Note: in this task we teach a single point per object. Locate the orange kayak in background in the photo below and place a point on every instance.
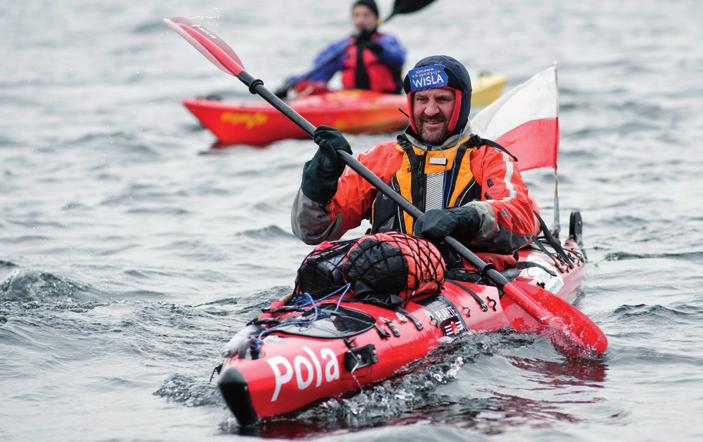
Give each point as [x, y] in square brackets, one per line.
[351, 111]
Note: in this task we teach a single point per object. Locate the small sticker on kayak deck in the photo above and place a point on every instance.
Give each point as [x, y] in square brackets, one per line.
[428, 77]
[452, 327]
[444, 316]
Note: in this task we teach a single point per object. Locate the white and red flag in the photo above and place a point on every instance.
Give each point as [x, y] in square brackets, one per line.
[525, 121]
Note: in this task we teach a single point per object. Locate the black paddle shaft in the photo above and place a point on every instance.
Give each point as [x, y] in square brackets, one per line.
[256, 86]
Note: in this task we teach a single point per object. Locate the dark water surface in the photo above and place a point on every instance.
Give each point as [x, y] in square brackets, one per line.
[127, 258]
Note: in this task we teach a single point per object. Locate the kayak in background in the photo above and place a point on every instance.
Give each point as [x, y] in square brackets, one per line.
[351, 111]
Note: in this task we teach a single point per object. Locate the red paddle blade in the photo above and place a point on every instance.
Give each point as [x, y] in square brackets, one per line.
[571, 332]
[208, 44]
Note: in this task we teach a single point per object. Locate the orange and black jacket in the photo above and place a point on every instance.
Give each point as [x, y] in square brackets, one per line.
[463, 171]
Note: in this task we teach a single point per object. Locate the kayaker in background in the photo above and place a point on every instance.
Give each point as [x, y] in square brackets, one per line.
[368, 59]
[469, 188]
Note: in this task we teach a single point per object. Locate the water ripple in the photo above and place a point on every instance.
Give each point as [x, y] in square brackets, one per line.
[33, 289]
[658, 312]
[7, 264]
[190, 392]
[694, 256]
[266, 233]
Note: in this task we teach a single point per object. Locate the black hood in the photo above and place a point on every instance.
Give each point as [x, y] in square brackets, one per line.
[458, 79]
[371, 4]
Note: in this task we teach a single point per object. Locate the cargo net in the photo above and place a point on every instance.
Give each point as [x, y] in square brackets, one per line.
[384, 268]
[393, 268]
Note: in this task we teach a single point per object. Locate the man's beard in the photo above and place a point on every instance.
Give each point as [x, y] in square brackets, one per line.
[434, 137]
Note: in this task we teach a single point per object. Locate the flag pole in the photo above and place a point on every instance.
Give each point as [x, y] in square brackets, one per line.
[556, 228]
[557, 224]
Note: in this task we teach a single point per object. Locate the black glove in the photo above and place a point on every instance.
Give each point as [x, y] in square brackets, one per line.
[435, 224]
[364, 36]
[320, 175]
[282, 92]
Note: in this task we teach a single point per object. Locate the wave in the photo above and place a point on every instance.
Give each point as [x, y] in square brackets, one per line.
[178, 334]
[190, 392]
[266, 233]
[624, 256]
[149, 27]
[657, 311]
[161, 210]
[126, 141]
[7, 264]
[7, 141]
[34, 289]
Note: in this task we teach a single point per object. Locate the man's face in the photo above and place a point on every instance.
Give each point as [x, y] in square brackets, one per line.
[432, 110]
[363, 18]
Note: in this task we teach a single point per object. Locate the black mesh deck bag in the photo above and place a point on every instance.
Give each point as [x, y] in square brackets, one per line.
[320, 273]
[393, 268]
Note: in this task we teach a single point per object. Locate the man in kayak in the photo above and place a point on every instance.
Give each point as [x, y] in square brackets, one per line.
[469, 188]
[368, 59]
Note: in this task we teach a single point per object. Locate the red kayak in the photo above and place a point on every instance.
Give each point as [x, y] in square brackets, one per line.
[351, 111]
[339, 345]
[398, 300]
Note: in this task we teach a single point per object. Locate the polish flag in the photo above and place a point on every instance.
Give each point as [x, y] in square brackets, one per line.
[525, 121]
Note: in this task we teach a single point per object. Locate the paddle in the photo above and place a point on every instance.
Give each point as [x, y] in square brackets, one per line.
[572, 332]
[405, 7]
[399, 7]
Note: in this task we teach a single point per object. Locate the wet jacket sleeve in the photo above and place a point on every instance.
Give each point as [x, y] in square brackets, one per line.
[393, 54]
[506, 208]
[314, 222]
[327, 70]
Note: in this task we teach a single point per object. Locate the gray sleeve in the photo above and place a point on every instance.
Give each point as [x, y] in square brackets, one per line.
[311, 223]
[491, 237]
